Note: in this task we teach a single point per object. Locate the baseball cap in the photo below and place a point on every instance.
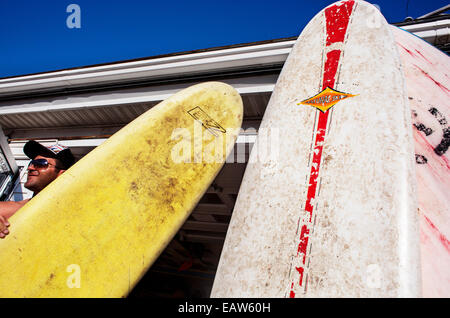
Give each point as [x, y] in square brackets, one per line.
[62, 153]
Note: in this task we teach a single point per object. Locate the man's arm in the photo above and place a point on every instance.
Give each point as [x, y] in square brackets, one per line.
[7, 209]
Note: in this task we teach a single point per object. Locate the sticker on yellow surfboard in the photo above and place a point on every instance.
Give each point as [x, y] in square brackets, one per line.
[210, 124]
[325, 99]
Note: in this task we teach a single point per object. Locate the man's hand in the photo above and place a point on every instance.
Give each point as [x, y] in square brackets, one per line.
[4, 224]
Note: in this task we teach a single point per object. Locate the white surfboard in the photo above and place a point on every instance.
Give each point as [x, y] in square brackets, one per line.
[427, 74]
[327, 205]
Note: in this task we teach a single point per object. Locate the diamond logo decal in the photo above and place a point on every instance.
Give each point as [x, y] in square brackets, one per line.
[326, 99]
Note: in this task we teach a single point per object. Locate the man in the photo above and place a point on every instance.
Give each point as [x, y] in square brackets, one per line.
[46, 165]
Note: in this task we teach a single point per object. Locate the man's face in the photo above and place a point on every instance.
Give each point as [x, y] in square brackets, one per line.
[39, 178]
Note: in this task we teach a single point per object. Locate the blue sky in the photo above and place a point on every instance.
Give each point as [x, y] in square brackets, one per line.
[35, 38]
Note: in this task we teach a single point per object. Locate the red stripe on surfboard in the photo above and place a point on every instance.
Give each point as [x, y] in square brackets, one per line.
[445, 242]
[331, 65]
[337, 20]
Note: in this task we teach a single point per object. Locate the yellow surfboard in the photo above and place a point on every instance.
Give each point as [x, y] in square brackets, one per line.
[95, 230]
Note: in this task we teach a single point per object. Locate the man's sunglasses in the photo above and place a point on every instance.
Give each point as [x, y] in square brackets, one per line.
[42, 164]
